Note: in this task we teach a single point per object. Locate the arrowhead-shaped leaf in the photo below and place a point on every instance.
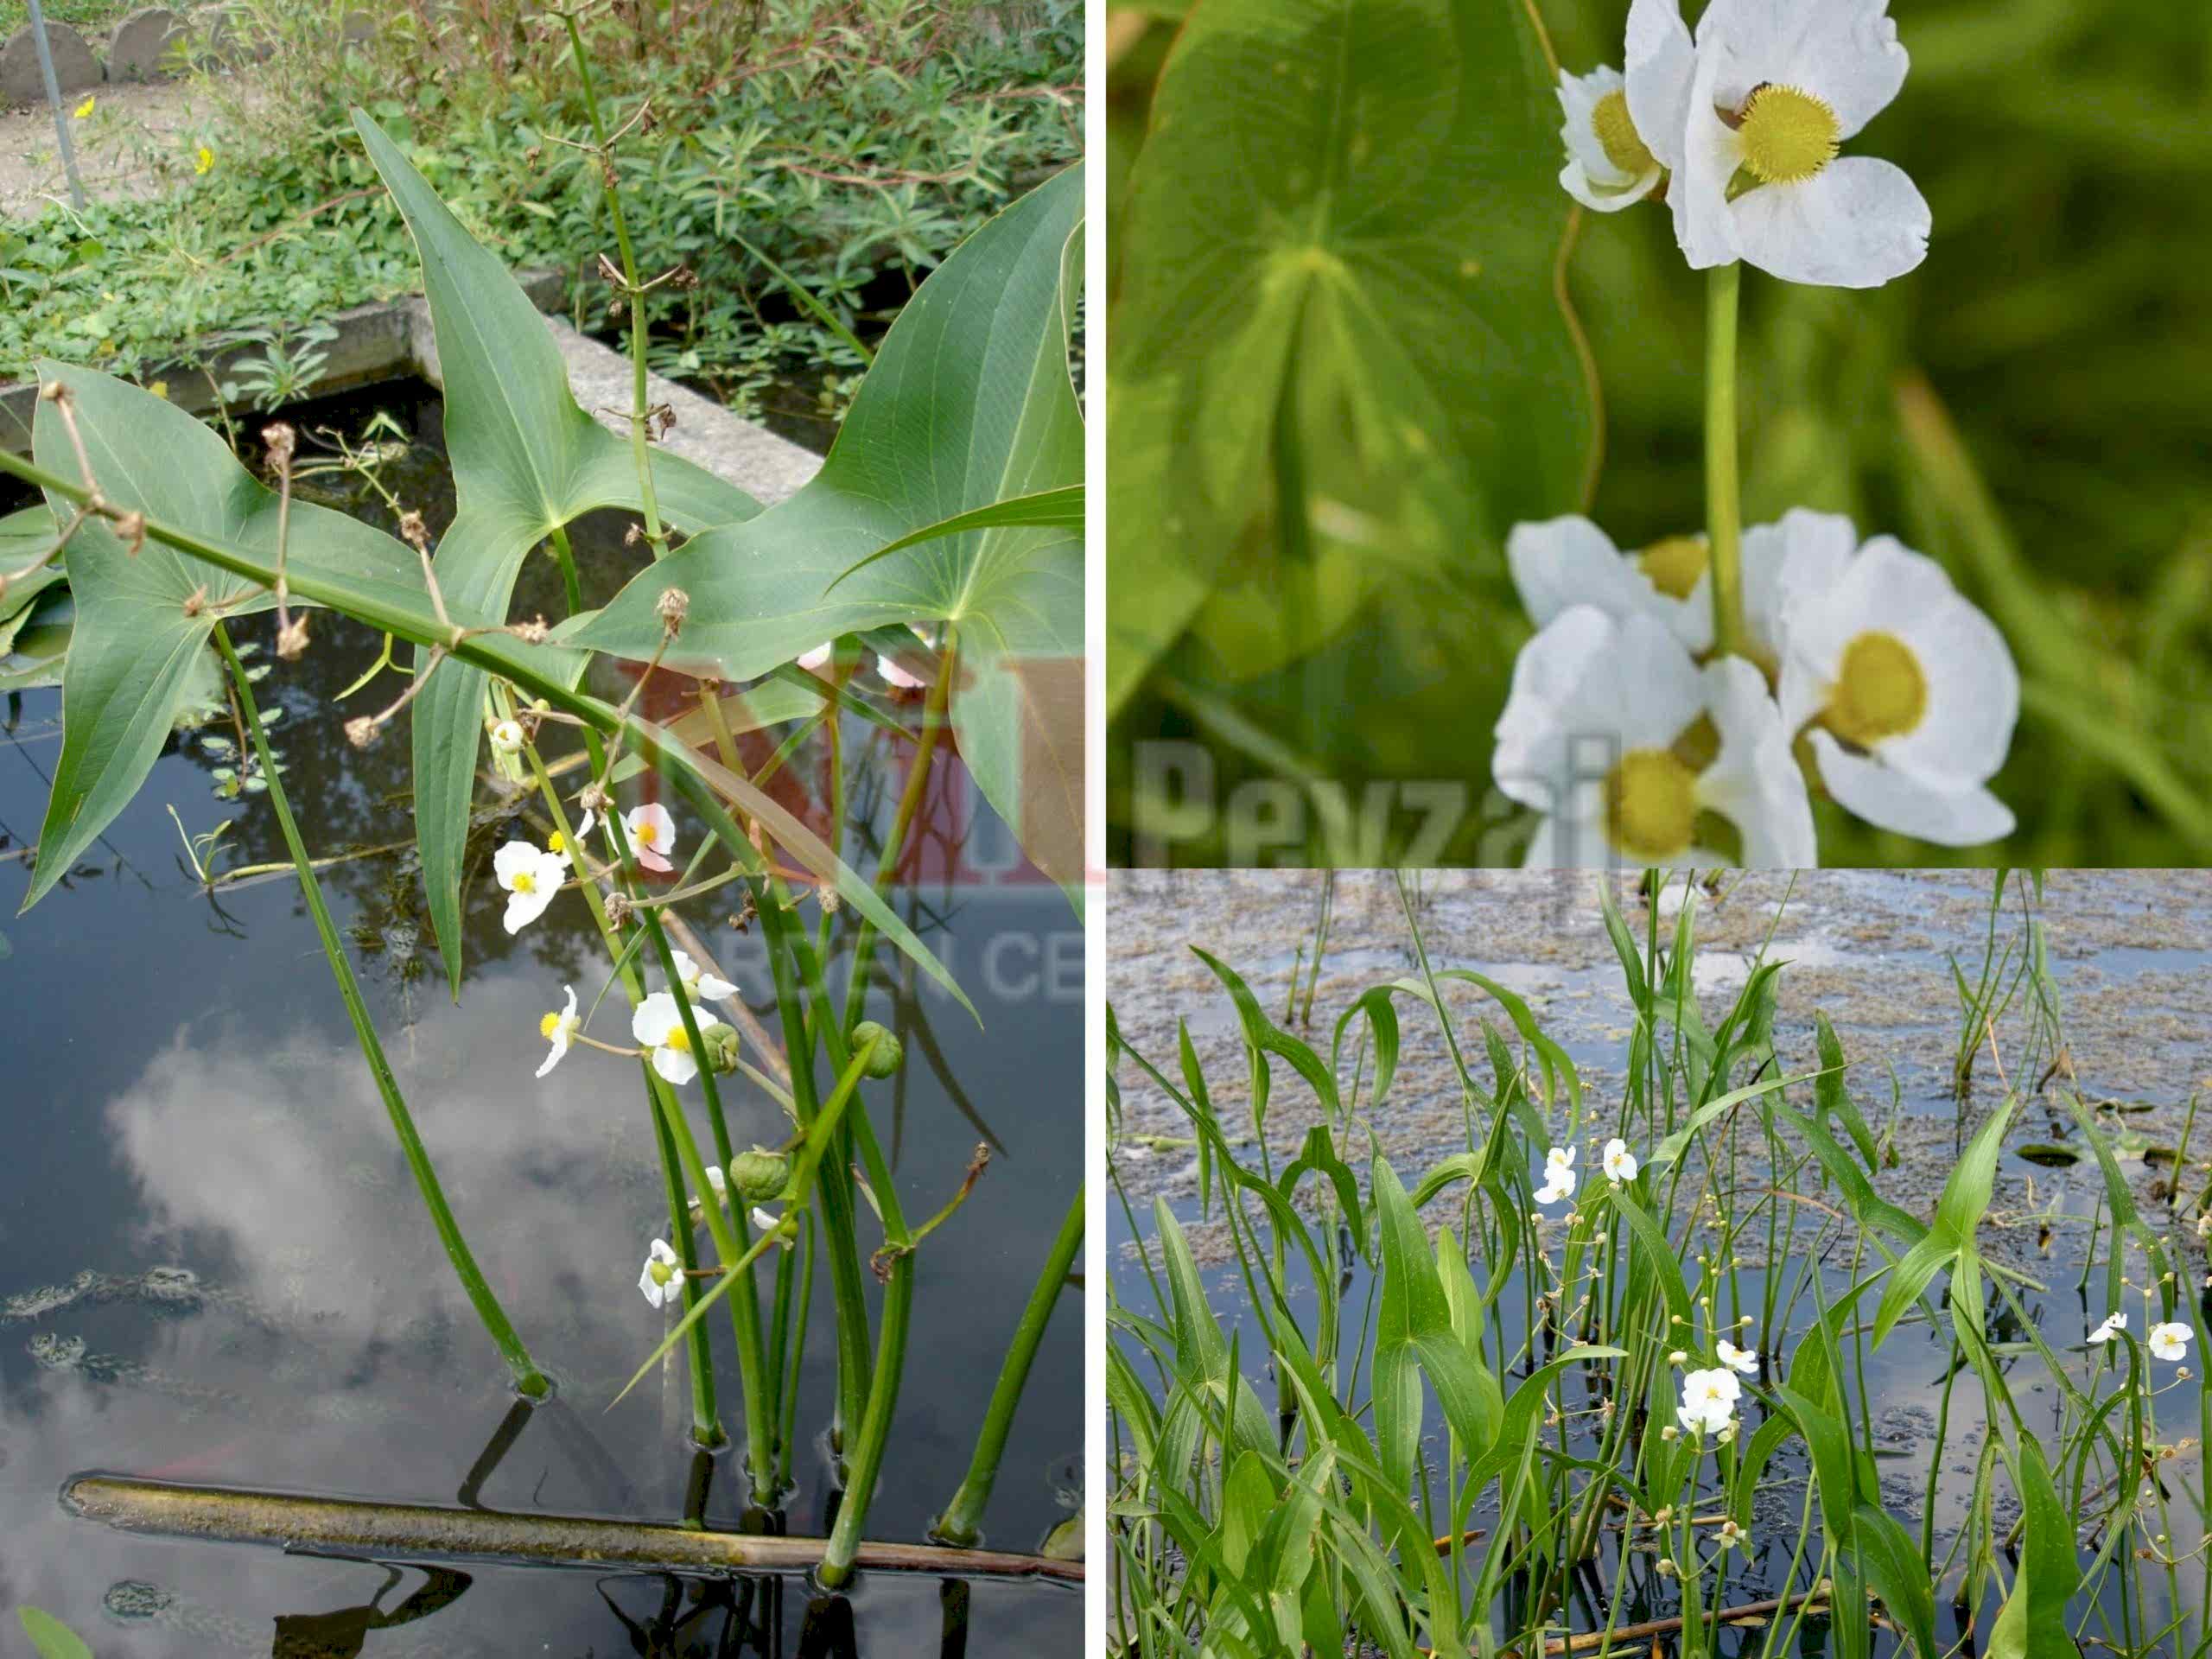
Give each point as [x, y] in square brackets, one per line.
[1337, 270]
[526, 460]
[139, 654]
[969, 405]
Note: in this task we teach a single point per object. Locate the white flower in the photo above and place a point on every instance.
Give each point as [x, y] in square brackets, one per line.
[2169, 1341]
[653, 834]
[506, 737]
[1608, 166]
[1709, 1400]
[663, 1278]
[560, 1030]
[812, 660]
[1562, 562]
[657, 1024]
[1560, 1157]
[1776, 87]
[895, 676]
[1733, 1536]
[1635, 754]
[782, 1229]
[532, 876]
[1559, 1183]
[1737, 1359]
[696, 983]
[1911, 692]
[2111, 1328]
[1620, 1163]
[2204, 1225]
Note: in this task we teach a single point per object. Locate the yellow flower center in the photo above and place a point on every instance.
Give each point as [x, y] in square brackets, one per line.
[556, 842]
[1650, 804]
[678, 1040]
[647, 832]
[1788, 136]
[1673, 566]
[1625, 146]
[548, 1025]
[526, 882]
[1881, 691]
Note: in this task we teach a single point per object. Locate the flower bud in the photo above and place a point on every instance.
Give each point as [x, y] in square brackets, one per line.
[890, 1054]
[759, 1175]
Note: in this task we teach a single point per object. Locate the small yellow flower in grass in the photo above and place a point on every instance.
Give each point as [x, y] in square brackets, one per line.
[506, 737]
[663, 1277]
[653, 834]
[560, 1030]
[2169, 1341]
[85, 108]
[532, 876]
[204, 162]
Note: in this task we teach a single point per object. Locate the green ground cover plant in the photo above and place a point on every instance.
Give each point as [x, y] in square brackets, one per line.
[836, 150]
[1548, 1393]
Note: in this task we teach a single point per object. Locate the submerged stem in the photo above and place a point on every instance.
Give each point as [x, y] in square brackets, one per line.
[528, 1379]
[1724, 506]
[961, 1523]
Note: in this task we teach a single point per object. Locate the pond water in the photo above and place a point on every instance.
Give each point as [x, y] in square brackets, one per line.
[215, 1268]
[2129, 956]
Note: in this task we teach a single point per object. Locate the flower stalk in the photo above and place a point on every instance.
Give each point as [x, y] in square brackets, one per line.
[1724, 501]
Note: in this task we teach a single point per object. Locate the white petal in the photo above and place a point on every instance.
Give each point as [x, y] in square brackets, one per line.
[895, 675]
[652, 831]
[512, 859]
[1843, 52]
[713, 986]
[686, 969]
[1562, 562]
[1895, 800]
[811, 660]
[1584, 688]
[675, 1064]
[524, 908]
[1662, 63]
[1603, 199]
[654, 1018]
[557, 1053]
[1806, 551]
[1754, 781]
[1712, 153]
[1858, 223]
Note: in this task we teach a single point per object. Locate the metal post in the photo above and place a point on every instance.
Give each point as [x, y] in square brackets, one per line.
[54, 101]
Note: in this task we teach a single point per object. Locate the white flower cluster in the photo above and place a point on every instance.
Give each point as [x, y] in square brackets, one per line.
[2169, 1342]
[1742, 127]
[1867, 673]
[531, 875]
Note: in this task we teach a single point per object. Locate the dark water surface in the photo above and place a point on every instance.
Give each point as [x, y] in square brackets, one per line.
[2129, 954]
[215, 1267]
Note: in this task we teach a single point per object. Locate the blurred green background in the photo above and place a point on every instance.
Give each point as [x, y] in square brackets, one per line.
[2032, 407]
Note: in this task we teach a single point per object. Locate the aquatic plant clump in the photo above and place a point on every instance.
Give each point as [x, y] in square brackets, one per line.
[1624, 1371]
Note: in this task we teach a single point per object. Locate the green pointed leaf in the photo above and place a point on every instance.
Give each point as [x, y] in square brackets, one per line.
[1337, 270]
[53, 1639]
[526, 460]
[968, 406]
[137, 655]
[2033, 1620]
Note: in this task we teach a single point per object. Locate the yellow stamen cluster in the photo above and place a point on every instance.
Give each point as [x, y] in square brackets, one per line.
[526, 882]
[1624, 146]
[1788, 136]
[679, 1040]
[1650, 804]
[1674, 565]
[1881, 691]
[548, 1025]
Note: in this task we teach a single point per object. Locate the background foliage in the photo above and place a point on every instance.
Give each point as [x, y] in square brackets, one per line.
[852, 145]
[2029, 408]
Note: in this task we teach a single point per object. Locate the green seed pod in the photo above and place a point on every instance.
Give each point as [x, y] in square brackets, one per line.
[721, 1046]
[890, 1053]
[759, 1175]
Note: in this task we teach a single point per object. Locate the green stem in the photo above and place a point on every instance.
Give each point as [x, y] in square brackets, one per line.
[528, 1379]
[961, 1523]
[1724, 504]
[867, 1462]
